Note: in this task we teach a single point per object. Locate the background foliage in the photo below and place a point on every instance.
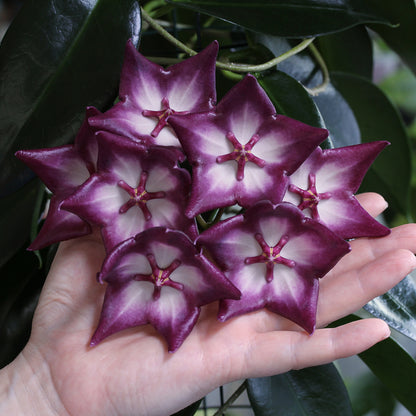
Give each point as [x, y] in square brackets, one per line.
[357, 79]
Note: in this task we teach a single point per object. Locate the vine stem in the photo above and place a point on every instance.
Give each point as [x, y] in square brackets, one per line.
[240, 390]
[325, 73]
[234, 67]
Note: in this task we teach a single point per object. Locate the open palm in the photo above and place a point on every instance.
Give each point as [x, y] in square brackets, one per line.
[131, 372]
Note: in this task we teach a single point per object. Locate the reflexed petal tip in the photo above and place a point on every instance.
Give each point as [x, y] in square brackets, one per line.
[158, 277]
[59, 226]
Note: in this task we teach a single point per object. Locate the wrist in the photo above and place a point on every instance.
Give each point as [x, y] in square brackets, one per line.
[26, 388]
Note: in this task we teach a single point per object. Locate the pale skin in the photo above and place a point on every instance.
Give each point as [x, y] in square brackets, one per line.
[131, 373]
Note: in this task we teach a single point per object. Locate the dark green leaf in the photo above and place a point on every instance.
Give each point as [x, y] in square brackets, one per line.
[15, 275]
[58, 57]
[15, 219]
[294, 18]
[336, 113]
[311, 391]
[190, 410]
[397, 307]
[378, 119]
[395, 368]
[338, 117]
[16, 326]
[368, 394]
[402, 37]
[290, 98]
[348, 51]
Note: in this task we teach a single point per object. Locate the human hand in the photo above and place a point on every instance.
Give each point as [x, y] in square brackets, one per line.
[131, 372]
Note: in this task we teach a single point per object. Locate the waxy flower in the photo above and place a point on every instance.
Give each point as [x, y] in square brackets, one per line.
[134, 188]
[242, 152]
[324, 187]
[158, 278]
[275, 256]
[63, 169]
[150, 94]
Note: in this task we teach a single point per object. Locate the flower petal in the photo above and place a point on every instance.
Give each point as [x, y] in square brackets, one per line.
[61, 168]
[59, 226]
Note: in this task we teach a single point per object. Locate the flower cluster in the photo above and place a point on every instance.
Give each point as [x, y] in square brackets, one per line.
[165, 154]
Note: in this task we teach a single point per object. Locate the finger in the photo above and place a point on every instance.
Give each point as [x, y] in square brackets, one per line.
[373, 203]
[351, 290]
[364, 250]
[278, 352]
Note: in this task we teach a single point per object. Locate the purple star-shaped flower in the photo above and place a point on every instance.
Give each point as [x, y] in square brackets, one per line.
[324, 187]
[158, 278]
[150, 94]
[242, 152]
[63, 169]
[134, 188]
[274, 255]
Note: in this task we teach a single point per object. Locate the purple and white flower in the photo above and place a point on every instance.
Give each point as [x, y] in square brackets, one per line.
[324, 187]
[149, 94]
[158, 278]
[275, 256]
[242, 152]
[134, 188]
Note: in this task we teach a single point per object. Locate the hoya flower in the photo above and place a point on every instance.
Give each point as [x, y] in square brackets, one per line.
[63, 169]
[158, 277]
[275, 256]
[324, 187]
[134, 188]
[242, 152]
[150, 94]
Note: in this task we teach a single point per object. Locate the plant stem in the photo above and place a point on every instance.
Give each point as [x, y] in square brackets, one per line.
[202, 222]
[164, 33]
[234, 67]
[240, 390]
[325, 73]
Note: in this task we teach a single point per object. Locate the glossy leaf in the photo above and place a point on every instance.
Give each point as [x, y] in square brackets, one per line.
[395, 368]
[17, 323]
[378, 119]
[334, 110]
[290, 18]
[312, 391]
[56, 58]
[290, 98]
[16, 218]
[397, 307]
[15, 275]
[368, 393]
[402, 36]
[189, 410]
[348, 51]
